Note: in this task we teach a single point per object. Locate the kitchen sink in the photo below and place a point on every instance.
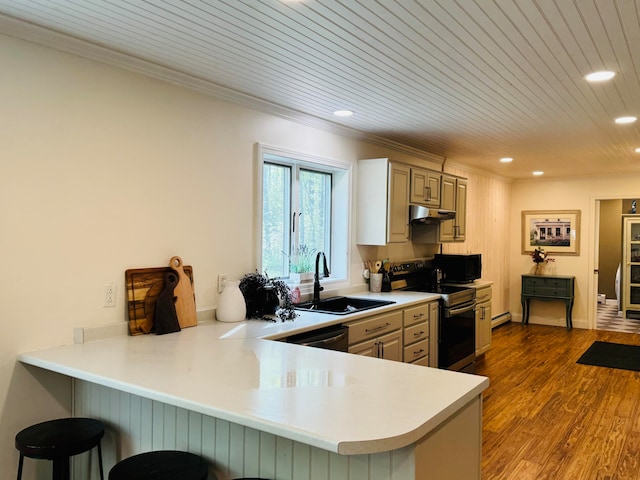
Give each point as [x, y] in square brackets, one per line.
[342, 305]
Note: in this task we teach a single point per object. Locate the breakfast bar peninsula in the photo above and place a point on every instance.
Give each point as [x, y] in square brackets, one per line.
[257, 407]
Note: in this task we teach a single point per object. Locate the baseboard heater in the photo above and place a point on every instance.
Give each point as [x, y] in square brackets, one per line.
[500, 319]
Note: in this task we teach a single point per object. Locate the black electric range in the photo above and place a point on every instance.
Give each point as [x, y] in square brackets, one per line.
[456, 322]
[417, 275]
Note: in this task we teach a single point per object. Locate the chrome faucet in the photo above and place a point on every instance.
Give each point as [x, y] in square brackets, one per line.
[316, 279]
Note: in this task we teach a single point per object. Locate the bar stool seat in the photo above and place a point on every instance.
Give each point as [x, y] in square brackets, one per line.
[161, 465]
[58, 440]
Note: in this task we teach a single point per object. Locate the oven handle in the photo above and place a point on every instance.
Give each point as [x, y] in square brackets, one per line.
[457, 311]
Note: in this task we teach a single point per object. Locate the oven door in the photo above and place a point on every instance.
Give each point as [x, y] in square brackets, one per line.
[457, 338]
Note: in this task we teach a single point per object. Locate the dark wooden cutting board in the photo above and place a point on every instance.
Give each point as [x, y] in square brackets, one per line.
[144, 285]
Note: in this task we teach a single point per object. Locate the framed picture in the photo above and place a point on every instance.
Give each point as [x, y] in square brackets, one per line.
[556, 231]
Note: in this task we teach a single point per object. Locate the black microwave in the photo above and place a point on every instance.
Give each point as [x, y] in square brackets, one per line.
[459, 268]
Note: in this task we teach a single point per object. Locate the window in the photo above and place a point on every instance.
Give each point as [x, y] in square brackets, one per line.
[304, 210]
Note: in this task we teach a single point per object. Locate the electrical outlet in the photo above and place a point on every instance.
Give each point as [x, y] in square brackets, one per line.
[222, 280]
[109, 295]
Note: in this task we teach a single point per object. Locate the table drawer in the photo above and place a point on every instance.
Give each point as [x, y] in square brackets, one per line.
[416, 333]
[548, 292]
[415, 351]
[552, 287]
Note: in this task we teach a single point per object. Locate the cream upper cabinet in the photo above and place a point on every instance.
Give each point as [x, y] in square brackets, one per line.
[453, 194]
[425, 187]
[383, 202]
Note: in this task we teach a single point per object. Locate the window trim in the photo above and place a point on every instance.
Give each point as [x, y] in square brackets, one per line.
[343, 189]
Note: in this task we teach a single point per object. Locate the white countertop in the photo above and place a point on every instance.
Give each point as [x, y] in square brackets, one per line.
[336, 401]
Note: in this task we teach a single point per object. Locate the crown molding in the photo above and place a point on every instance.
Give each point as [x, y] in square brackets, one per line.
[37, 34]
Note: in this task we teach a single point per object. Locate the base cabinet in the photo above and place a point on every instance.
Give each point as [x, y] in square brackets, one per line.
[379, 336]
[483, 319]
[408, 335]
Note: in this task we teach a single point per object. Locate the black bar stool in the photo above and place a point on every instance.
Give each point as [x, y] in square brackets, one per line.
[161, 465]
[58, 440]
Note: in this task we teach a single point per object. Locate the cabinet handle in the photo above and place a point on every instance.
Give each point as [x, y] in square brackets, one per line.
[415, 354]
[376, 329]
[418, 334]
[419, 315]
[428, 194]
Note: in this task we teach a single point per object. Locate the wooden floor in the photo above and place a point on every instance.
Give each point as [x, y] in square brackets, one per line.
[547, 417]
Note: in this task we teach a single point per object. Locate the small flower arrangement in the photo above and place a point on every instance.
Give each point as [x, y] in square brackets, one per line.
[540, 258]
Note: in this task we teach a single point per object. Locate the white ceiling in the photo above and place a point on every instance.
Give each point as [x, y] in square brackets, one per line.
[470, 80]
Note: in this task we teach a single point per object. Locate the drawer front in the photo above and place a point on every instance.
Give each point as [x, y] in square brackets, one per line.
[483, 294]
[529, 283]
[415, 333]
[415, 351]
[423, 361]
[374, 327]
[416, 314]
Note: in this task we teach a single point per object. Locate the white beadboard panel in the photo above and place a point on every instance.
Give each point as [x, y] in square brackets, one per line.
[470, 80]
[136, 425]
[488, 207]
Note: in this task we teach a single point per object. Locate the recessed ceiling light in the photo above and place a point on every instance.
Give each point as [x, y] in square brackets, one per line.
[537, 173]
[637, 150]
[600, 76]
[506, 160]
[343, 113]
[623, 120]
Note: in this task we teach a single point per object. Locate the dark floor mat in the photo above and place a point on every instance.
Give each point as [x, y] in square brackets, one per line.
[612, 355]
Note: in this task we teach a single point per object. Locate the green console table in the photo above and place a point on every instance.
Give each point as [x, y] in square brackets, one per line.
[547, 288]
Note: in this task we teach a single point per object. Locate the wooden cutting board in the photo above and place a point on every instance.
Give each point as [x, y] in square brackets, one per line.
[185, 299]
[144, 285]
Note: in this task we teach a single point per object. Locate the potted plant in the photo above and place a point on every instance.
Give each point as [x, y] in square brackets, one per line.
[265, 297]
[301, 264]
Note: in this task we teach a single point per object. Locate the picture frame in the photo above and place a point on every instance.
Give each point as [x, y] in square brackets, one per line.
[556, 231]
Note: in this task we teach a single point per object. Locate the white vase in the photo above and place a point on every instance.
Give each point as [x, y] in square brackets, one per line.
[231, 306]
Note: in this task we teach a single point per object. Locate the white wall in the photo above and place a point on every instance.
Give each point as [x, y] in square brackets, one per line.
[578, 193]
[103, 170]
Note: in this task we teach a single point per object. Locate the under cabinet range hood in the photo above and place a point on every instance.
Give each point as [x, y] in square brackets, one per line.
[421, 214]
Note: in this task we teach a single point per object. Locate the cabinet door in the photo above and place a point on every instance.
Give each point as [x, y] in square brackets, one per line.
[454, 196]
[483, 327]
[387, 346]
[425, 187]
[447, 202]
[460, 227]
[390, 346]
[434, 320]
[366, 349]
[398, 204]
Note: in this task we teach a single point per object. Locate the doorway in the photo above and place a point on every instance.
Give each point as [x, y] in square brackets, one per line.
[609, 261]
